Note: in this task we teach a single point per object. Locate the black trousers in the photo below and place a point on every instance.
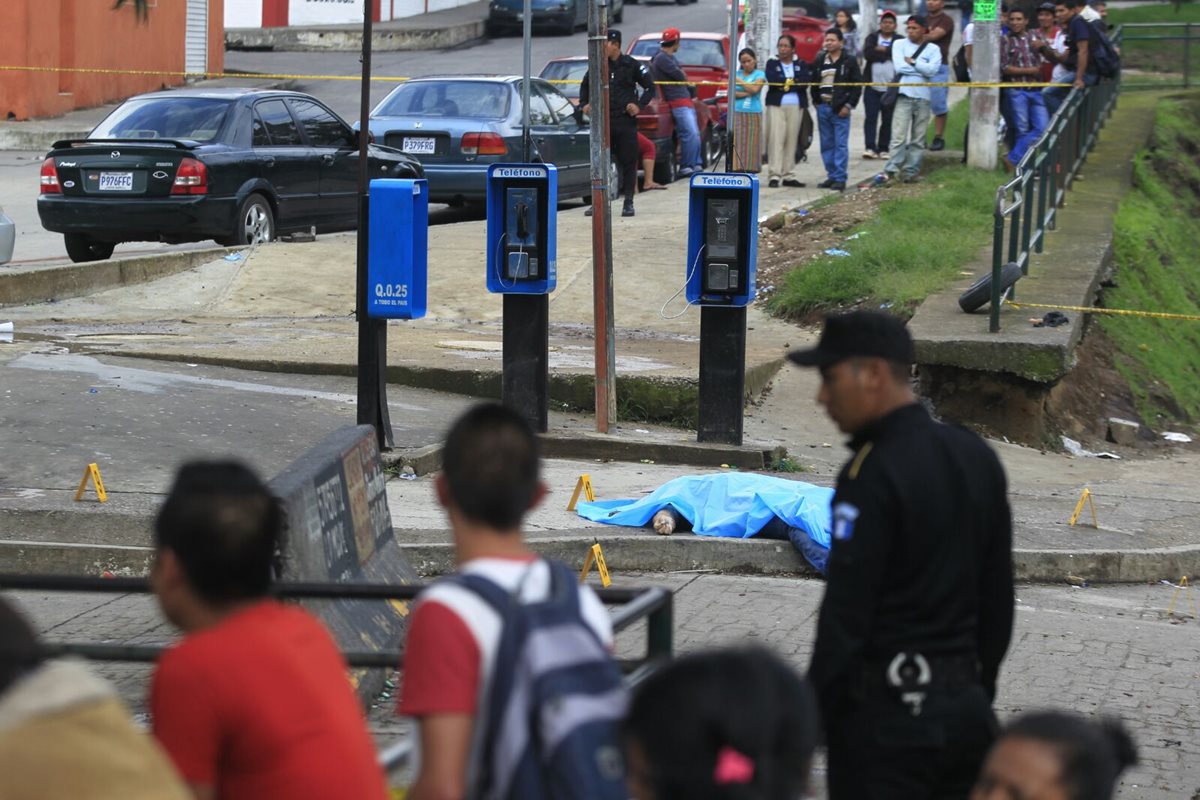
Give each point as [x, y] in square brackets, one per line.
[622, 132]
[877, 125]
[879, 751]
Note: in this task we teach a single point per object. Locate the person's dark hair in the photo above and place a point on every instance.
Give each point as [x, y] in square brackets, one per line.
[1094, 753]
[851, 25]
[490, 463]
[1066, 3]
[735, 724]
[224, 525]
[746, 51]
[836, 31]
[1018, 10]
[20, 651]
[791, 39]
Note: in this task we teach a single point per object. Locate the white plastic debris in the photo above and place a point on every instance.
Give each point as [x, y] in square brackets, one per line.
[1076, 449]
[1177, 437]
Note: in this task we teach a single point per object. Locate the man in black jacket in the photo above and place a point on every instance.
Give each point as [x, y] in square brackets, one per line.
[625, 75]
[918, 608]
[834, 94]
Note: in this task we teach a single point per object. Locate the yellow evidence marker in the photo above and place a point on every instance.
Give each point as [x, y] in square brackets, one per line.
[1086, 497]
[1187, 591]
[584, 484]
[92, 473]
[595, 554]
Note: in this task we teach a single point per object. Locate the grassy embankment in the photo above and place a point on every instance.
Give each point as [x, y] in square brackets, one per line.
[1157, 228]
[1150, 63]
[914, 246]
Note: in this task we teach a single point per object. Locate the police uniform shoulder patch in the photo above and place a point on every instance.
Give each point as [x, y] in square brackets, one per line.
[844, 517]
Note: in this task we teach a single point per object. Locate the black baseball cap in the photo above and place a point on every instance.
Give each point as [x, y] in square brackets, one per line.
[614, 35]
[858, 334]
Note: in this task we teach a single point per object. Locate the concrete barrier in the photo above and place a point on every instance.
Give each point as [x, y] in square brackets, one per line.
[339, 528]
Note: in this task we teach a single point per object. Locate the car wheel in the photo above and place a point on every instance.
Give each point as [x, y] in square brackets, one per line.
[667, 171]
[614, 180]
[254, 224]
[82, 248]
[979, 294]
[710, 147]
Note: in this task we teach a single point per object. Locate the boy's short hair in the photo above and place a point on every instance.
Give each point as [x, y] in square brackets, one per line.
[836, 31]
[490, 464]
[224, 526]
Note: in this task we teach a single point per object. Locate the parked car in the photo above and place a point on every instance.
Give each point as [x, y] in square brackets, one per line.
[235, 165]
[8, 237]
[458, 125]
[655, 122]
[559, 16]
[806, 20]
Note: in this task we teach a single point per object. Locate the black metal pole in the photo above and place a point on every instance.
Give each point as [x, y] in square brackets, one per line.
[372, 334]
[526, 361]
[722, 374]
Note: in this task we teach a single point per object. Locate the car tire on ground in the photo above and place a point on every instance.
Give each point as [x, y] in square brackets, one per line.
[710, 147]
[979, 294]
[82, 248]
[254, 223]
[667, 171]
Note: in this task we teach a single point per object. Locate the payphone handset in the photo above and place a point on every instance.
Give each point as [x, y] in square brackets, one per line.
[521, 204]
[522, 255]
[724, 272]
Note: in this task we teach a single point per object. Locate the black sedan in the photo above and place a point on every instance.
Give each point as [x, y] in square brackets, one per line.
[235, 165]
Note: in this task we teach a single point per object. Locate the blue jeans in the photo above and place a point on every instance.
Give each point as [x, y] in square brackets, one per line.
[1027, 112]
[939, 96]
[1055, 95]
[689, 137]
[835, 142]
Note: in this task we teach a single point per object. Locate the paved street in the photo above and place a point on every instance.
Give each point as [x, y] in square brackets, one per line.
[1096, 650]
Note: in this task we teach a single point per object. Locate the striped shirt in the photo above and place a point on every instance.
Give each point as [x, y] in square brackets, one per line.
[1016, 50]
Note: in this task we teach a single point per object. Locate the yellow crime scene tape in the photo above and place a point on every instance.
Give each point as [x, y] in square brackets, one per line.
[1121, 312]
[401, 79]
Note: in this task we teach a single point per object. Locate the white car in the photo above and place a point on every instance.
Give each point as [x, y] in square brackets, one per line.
[8, 235]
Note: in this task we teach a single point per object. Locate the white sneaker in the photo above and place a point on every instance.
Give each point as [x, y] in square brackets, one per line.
[870, 154]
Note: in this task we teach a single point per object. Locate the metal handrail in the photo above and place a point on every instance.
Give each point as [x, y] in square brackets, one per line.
[1041, 180]
[654, 604]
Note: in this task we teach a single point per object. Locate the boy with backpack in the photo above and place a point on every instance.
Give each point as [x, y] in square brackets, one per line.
[508, 668]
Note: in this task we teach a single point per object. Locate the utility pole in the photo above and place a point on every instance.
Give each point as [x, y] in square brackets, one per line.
[603, 322]
[372, 333]
[982, 143]
[758, 28]
[868, 16]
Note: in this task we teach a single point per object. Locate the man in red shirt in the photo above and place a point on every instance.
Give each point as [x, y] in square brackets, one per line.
[255, 703]
[489, 481]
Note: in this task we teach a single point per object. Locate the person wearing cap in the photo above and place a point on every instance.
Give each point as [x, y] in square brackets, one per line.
[625, 102]
[918, 607]
[916, 62]
[834, 96]
[679, 94]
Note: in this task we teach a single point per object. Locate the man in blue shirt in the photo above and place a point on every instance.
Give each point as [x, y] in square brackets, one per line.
[1077, 58]
[916, 62]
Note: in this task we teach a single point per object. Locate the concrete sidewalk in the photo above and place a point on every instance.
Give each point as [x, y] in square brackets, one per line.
[434, 30]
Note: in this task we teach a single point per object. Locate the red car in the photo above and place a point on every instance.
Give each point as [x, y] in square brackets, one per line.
[655, 122]
[703, 57]
[803, 19]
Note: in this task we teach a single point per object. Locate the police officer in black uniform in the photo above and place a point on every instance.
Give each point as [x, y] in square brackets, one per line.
[918, 610]
[625, 75]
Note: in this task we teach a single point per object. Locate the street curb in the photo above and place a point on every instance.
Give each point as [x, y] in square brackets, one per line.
[645, 552]
[79, 280]
[14, 137]
[346, 40]
[672, 401]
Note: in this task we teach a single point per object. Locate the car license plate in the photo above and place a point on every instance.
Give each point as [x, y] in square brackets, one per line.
[418, 144]
[116, 181]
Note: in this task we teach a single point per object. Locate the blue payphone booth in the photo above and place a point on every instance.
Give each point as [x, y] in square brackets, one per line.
[398, 248]
[522, 206]
[722, 254]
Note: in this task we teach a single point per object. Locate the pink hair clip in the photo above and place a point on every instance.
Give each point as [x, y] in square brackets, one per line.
[732, 767]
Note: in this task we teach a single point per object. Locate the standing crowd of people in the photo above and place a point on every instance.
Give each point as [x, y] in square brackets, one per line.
[509, 671]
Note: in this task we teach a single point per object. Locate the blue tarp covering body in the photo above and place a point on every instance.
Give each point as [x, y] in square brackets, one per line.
[732, 504]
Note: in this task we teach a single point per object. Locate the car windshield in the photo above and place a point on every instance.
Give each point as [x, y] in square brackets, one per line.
[452, 98]
[692, 52]
[197, 118]
[565, 71]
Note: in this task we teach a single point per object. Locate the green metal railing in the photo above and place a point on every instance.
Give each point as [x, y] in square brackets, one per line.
[1167, 63]
[1027, 206]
